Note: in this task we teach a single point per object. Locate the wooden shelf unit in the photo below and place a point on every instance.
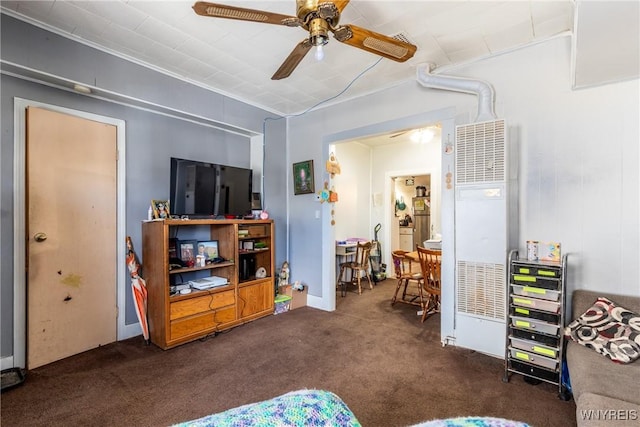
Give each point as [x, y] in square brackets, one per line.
[177, 319]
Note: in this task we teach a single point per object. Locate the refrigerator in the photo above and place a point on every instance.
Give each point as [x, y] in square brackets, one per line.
[421, 208]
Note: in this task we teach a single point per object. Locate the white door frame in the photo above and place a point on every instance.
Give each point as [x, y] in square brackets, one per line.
[19, 224]
[445, 116]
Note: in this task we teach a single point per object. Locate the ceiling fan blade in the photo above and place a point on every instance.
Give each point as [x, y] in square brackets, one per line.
[292, 60]
[217, 10]
[395, 135]
[373, 42]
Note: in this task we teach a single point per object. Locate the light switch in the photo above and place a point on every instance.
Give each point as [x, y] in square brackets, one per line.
[317, 214]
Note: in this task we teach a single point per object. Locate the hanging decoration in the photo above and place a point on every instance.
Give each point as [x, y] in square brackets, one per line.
[333, 167]
[329, 196]
[333, 196]
[323, 195]
[448, 178]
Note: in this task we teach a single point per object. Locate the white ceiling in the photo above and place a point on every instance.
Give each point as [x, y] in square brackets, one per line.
[238, 58]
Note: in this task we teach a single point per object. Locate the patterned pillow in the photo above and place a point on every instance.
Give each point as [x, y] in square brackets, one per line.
[609, 329]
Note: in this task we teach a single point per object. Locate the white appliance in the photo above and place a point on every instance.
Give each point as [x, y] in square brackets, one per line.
[485, 229]
[406, 239]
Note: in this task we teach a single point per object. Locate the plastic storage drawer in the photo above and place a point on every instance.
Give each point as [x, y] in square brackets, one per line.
[538, 282]
[535, 359]
[535, 303]
[534, 325]
[535, 292]
[534, 347]
[535, 270]
[533, 371]
[534, 314]
[534, 336]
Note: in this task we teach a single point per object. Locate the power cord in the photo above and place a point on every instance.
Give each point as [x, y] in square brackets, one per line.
[264, 122]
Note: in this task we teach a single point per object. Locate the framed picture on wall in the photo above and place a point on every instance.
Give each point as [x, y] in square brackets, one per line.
[303, 177]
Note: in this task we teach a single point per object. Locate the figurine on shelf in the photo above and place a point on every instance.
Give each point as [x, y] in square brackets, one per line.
[283, 278]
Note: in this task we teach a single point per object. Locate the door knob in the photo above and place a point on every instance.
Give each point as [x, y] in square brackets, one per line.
[40, 237]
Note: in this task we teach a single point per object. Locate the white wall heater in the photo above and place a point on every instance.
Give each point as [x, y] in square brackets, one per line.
[485, 229]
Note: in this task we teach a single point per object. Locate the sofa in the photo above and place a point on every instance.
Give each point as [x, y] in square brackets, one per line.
[606, 393]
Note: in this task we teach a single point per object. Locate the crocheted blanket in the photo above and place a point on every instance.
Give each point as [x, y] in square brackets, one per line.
[297, 408]
[472, 422]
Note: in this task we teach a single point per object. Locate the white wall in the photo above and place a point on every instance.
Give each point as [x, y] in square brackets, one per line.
[353, 184]
[578, 179]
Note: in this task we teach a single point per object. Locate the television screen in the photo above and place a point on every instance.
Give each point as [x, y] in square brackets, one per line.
[208, 190]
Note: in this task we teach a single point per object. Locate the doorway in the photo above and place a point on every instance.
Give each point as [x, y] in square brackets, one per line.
[367, 191]
[21, 227]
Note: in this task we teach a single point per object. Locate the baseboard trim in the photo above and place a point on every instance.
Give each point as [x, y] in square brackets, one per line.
[318, 302]
[6, 362]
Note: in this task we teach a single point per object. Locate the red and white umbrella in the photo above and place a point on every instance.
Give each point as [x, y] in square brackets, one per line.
[138, 289]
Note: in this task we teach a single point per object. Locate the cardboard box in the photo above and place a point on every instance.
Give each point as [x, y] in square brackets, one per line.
[298, 298]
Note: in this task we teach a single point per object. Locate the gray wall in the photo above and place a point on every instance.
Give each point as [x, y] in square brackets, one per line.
[151, 138]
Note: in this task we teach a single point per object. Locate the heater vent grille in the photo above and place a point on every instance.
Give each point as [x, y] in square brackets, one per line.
[480, 152]
[481, 289]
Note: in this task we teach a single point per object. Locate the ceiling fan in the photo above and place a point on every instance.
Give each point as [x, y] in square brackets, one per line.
[421, 134]
[318, 18]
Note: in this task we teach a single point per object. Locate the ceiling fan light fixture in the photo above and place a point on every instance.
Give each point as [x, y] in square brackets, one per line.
[319, 53]
[422, 136]
[319, 32]
[319, 36]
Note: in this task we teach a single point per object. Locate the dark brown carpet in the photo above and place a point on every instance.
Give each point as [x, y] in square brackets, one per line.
[389, 368]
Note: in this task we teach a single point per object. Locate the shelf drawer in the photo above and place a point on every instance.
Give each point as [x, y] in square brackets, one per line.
[534, 325]
[515, 310]
[536, 270]
[535, 359]
[197, 324]
[535, 281]
[534, 347]
[535, 292]
[537, 304]
[533, 336]
[201, 304]
[533, 371]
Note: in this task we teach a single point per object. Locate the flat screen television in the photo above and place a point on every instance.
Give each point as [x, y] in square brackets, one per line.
[201, 189]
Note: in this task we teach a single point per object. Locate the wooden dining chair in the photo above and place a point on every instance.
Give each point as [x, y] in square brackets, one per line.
[351, 272]
[430, 263]
[406, 277]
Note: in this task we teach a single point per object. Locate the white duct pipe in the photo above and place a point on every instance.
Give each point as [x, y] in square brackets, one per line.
[484, 90]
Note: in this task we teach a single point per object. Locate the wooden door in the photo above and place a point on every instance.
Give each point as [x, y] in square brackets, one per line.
[71, 235]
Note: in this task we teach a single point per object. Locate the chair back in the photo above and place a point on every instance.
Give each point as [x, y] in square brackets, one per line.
[362, 254]
[398, 262]
[401, 264]
[430, 263]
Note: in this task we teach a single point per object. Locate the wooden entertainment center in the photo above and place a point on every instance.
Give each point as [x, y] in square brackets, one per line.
[243, 245]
